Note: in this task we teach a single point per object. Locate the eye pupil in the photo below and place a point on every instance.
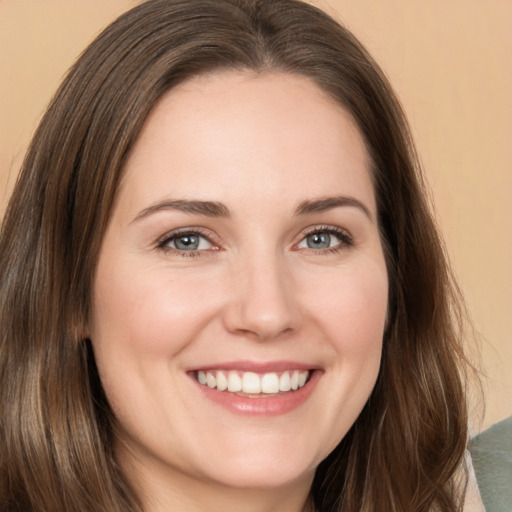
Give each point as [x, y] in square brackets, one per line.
[187, 242]
[319, 240]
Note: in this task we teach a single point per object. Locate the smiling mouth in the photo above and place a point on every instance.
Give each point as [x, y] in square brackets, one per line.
[252, 384]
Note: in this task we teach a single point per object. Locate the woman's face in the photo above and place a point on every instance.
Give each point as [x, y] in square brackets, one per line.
[243, 250]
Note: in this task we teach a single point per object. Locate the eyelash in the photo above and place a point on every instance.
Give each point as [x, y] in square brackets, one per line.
[346, 241]
[163, 242]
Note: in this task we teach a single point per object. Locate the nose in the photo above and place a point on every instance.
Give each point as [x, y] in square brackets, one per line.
[263, 304]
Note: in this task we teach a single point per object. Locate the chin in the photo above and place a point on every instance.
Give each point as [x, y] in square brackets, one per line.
[257, 468]
[265, 477]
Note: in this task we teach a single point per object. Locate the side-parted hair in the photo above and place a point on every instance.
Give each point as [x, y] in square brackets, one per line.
[405, 450]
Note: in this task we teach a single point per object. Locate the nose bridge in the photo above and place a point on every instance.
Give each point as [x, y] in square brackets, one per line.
[263, 304]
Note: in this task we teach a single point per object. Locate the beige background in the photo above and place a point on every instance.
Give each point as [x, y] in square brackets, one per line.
[450, 62]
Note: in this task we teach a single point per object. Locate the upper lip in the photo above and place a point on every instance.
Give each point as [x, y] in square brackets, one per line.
[256, 366]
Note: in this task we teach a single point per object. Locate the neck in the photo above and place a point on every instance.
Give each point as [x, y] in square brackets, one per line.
[161, 489]
[222, 499]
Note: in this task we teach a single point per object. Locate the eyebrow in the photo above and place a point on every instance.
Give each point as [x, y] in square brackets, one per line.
[328, 203]
[206, 208]
[218, 209]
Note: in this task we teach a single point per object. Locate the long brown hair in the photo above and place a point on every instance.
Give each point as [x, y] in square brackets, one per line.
[404, 451]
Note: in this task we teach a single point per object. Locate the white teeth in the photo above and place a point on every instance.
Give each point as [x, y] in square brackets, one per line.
[253, 383]
[211, 381]
[295, 380]
[270, 383]
[222, 381]
[285, 383]
[234, 382]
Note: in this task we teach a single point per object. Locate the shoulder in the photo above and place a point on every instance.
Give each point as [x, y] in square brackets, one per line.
[491, 452]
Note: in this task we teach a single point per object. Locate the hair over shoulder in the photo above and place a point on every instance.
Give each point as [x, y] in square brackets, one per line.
[405, 451]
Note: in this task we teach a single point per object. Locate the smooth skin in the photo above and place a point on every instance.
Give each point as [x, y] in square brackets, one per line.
[283, 263]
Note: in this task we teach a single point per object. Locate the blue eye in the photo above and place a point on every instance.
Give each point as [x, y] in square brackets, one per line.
[322, 239]
[186, 242]
[319, 241]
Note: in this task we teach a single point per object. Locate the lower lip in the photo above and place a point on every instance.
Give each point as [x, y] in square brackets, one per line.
[262, 405]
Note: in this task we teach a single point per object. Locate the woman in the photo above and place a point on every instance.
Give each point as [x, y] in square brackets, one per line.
[221, 284]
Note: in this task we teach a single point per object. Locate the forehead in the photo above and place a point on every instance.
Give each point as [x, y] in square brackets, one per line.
[215, 132]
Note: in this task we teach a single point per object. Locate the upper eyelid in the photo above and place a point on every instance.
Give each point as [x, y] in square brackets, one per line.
[324, 227]
[329, 228]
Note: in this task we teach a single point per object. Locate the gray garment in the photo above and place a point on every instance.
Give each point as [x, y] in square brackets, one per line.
[491, 452]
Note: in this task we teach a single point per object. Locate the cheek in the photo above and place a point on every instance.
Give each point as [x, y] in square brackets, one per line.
[356, 327]
[142, 320]
[352, 306]
[147, 311]
[350, 312]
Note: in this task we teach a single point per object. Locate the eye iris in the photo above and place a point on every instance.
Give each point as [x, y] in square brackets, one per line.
[187, 242]
[319, 240]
